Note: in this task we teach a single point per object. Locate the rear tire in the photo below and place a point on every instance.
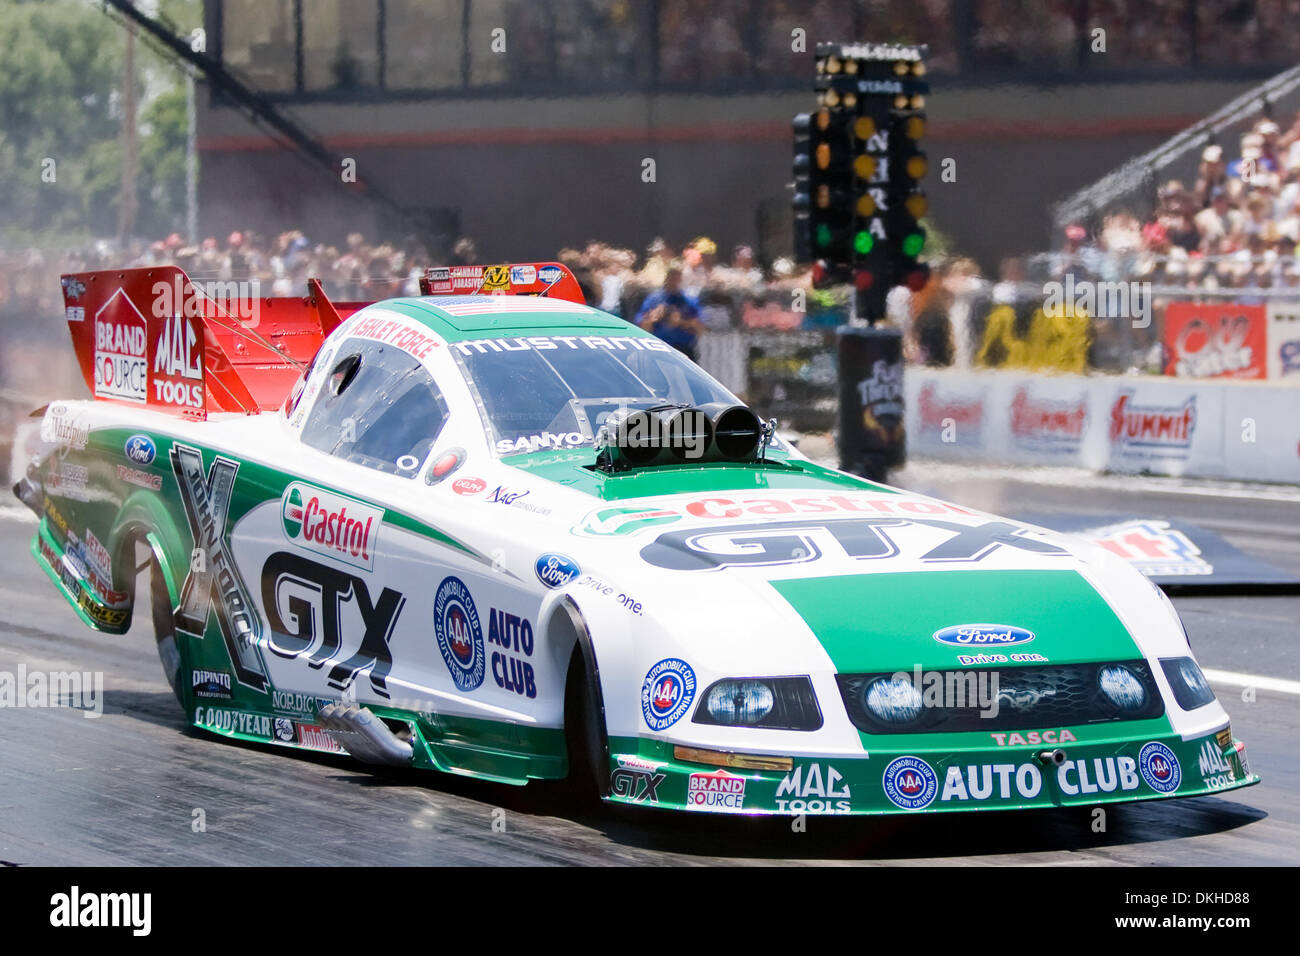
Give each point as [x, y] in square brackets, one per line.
[584, 731]
[164, 629]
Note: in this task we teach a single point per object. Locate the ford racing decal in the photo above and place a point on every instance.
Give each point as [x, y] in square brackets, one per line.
[140, 449]
[556, 570]
[983, 635]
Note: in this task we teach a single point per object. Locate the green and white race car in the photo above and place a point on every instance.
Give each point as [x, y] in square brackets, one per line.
[513, 537]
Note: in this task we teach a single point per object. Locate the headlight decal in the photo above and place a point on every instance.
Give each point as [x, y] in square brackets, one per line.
[1024, 697]
[777, 703]
[1191, 689]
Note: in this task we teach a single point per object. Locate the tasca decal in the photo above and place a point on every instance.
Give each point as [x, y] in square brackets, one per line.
[460, 634]
[213, 580]
[1032, 738]
[304, 603]
[797, 542]
[336, 526]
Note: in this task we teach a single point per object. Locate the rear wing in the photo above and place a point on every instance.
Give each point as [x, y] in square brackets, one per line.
[153, 338]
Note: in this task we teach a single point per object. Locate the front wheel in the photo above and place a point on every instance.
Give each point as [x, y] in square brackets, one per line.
[584, 730]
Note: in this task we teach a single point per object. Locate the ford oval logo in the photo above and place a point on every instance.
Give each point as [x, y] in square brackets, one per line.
[140, 449]
[983, 635]
[556, 570]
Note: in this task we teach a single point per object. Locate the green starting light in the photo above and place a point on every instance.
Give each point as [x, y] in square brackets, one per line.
[862, 242]
[913, 244]
[823, 235]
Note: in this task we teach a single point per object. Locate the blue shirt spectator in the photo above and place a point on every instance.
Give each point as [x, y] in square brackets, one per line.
[672, 315]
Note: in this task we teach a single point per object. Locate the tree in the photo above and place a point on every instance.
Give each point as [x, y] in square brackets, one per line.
[61, 65]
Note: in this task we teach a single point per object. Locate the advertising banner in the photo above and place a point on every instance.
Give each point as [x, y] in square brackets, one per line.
[1284, 340]
[1215, 340]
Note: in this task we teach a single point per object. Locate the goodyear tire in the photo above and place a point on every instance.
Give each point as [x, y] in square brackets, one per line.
[164, 629]
[584, 731]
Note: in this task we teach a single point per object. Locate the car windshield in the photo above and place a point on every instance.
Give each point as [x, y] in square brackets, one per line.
[543, 392]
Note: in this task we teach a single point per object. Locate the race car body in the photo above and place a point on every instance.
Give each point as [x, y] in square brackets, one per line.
[442, 545]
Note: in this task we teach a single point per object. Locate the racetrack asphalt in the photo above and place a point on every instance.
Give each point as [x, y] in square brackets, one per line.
[127, 788]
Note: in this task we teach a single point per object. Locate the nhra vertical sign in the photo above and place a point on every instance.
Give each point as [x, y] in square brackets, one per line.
[858, 204]
[857, 171]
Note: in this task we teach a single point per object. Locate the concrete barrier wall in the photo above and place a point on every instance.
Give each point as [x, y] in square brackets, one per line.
[1214, 429]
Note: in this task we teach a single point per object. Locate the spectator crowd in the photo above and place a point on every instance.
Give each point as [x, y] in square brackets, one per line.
[676, 292]
[1234, 225]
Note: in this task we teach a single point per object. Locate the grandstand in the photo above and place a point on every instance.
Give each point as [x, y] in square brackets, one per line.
[544, 145]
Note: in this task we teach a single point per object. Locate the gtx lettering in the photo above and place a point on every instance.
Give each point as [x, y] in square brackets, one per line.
[304, 604]
[641, 786]
[792, 542]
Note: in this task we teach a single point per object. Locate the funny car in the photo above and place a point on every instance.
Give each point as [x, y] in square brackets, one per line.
[492, 531]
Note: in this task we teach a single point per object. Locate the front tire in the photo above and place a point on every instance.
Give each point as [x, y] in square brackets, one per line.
[584, 730]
